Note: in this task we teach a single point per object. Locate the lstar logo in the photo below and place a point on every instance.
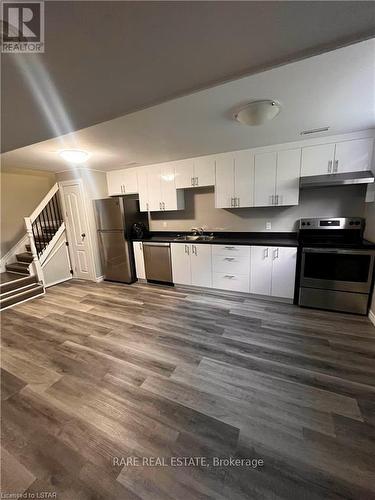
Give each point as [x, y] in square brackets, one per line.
[22, 27]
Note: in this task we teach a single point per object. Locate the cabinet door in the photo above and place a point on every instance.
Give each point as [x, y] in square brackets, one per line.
[130, 181]
[265, 179]
[204, 171]
[142, 189]
[168, 187]
[283, 271]
[353, 156]
[201, 265]
[261, 270]
[317, 160]
[139, 260]
[184, 172]
[181, 268]
[244, 178]
[287, 177]
[115, 182]
[154, 188]
[224, 185]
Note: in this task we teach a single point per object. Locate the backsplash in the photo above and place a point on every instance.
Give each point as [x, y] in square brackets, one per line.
[342, 201]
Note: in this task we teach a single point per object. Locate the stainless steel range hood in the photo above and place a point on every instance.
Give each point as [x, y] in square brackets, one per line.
[344, 179]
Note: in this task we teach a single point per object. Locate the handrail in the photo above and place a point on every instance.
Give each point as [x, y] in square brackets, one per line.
[44, 202]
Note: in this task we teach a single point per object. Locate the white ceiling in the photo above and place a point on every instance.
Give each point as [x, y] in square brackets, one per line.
[335, 89]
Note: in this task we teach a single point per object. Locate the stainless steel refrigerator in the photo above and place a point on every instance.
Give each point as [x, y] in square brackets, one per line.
[114, 220]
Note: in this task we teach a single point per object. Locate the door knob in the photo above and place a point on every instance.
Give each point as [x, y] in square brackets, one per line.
[83, 235]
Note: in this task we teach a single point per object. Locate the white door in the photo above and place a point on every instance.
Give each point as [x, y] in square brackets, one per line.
[283, 271]
[142, 189]
[130, 181]
[181, 268]
[184, 171]
[353, 156]
[244, 178]
[224, 185]
[201, 265]
[317, 160]
[204, 171]
[78, 231]
[115, 182]
[139, 260]
[265, 179]
[168, 187]
[154, 188]
[287, 177]
[261, 270]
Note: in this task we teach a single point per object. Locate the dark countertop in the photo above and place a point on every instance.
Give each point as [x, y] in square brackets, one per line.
[266, 239]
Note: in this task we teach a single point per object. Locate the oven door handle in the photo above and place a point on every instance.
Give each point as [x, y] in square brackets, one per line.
[338, 251]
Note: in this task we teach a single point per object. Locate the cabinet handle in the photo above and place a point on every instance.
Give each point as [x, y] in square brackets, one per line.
[272, 199]
[147, 207]
[229, 259]
[187, 249]
[265, 253]
[229, 276]
[160, 205]
[336, 167]
[194, 249]
[275, 254]
[238, 202]
[192, 181]
[163, 205]
[330, 166]
[231, 202]
[229, 248]
[196, 181]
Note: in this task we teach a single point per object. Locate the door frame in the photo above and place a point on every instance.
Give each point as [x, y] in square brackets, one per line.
[79, 183]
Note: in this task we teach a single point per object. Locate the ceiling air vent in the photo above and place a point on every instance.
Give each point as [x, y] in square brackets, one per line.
[314, 130]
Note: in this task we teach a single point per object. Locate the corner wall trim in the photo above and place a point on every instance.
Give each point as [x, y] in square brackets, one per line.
[371, 317]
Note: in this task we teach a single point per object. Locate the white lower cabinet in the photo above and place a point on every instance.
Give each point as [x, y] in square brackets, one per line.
[139, 260]
[231, 267]
[191, 264]
[273, 270]
[229, 281]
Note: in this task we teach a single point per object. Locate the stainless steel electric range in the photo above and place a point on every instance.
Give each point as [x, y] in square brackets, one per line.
[336, 265]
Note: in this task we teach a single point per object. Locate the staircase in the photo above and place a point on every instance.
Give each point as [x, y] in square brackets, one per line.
[44, 225]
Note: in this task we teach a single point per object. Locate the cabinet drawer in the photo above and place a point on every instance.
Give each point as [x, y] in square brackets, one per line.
[234, 264]
[230, 250]
[234, 282]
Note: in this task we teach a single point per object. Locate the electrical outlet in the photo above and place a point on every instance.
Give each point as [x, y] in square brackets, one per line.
[164, 223]
[268, 225]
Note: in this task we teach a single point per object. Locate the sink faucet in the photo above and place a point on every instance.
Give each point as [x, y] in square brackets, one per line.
[197, 230]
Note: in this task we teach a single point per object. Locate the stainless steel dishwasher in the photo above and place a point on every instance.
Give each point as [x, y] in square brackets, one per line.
[158, 263]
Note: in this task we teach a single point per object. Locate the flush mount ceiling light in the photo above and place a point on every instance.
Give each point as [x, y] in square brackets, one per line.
[258, 112]
[74, 155]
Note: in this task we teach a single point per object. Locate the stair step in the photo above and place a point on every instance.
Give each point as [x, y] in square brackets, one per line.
[17, 281]
[26, 257]
[18, 267]
[17, 297]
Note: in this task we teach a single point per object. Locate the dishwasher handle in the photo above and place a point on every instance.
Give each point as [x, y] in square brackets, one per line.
[156, 244]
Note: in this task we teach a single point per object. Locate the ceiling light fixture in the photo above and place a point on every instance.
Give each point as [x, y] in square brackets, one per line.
[258, 112]
[74, 155]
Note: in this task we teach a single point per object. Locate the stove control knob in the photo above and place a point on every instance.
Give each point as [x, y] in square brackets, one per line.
[303, 223]
[308, 224]
[351, 223]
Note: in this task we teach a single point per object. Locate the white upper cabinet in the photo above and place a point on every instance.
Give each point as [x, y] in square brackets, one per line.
[122, 182]
[317, 160]
[184, 171]
[287, 177]
[204, 171]
[154, 188]
[143, 189]
[353, 156]
[224, 185]
[265, 179]
[162, 192]
[346, 156]
[244, 178]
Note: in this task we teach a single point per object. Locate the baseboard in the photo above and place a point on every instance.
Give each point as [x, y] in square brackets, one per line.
[371, 317]
[99, 279]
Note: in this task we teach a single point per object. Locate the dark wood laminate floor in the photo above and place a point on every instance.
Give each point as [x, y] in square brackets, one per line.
[96, 371]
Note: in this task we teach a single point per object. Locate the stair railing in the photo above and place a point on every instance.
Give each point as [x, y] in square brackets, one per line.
[42, 226]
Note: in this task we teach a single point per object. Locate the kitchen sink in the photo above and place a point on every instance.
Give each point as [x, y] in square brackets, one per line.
[191, 237]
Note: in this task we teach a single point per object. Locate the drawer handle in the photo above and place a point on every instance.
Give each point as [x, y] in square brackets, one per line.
[229, 276]
[230, 248]
[229, 259]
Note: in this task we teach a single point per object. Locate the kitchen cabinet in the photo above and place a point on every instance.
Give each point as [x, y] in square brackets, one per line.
[341, 157]
[143, 189]
[162, 192]
[272, 271]
[122, 182]
[195, 172]
[353, 156]
[276, 178]
[139, 260]
[231, 267]
[191, 264]
[234, 185]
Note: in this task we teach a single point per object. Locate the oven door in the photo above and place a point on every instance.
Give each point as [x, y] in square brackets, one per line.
[337, 269]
